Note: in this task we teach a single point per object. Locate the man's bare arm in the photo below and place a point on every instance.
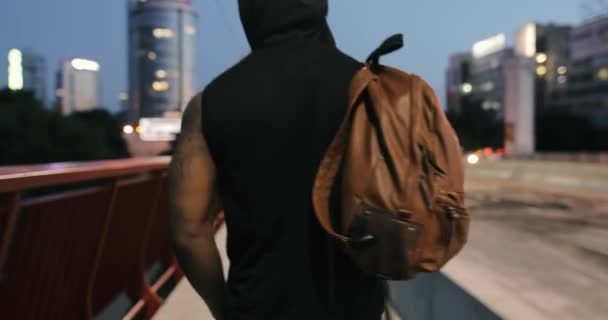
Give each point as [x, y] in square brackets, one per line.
[193, 206]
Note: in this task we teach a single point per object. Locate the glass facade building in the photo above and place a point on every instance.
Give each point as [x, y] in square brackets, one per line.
[162, 57]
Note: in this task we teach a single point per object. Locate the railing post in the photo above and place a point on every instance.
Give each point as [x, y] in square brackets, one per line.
[113, 186]
[153, 299]
[6, 235]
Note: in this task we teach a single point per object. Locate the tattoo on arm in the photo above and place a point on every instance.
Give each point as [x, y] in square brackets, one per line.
[193, 207]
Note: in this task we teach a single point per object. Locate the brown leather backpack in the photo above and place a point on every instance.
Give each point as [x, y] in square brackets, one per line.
[402, 193]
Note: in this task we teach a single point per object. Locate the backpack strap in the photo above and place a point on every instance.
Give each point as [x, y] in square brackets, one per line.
[333, 157]
[335, 154]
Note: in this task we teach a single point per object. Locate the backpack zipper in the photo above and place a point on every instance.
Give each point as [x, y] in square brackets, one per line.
[452, 212]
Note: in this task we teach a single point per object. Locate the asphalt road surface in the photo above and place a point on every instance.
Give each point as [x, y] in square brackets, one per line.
[535, 252]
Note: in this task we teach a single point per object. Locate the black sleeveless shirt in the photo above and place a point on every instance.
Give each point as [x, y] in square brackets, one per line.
[268, 122]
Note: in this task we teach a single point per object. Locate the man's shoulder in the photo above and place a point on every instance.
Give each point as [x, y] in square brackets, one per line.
[256, 63]
[333, 55]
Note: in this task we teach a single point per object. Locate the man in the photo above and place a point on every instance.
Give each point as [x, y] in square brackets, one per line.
[251, 144]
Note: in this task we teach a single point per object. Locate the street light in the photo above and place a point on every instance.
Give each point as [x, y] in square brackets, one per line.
[128, 129]
[473, 159]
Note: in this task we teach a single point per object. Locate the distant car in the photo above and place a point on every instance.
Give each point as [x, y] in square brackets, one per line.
[487, 153]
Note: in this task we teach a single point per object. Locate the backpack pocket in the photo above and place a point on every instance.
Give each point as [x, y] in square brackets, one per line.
[384, 244]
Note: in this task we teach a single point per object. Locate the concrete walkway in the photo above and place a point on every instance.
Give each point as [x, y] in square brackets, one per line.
[184, 303]
[534, 252]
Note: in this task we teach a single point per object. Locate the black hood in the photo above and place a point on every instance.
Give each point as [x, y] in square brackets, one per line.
[268, 22]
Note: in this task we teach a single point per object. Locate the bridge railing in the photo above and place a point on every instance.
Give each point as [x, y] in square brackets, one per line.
[74, 236]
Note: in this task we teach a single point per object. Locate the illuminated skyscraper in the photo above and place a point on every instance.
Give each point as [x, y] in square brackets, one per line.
[27, 71]
[162, 57]
[78, 86]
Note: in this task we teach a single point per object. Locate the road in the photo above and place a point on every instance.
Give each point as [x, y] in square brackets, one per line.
[535, 251]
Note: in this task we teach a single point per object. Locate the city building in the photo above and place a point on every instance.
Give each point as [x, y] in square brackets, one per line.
[587, 90]
[27, 72]
[162, 57]
[487, 73]
[458, 81]
[537, 72]
[548, 46]
[78, 86]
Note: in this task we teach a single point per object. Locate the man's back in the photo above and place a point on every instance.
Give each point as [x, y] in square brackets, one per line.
[254, 139]
[268, 122]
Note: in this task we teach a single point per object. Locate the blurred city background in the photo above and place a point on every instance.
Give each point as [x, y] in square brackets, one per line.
[91, 95]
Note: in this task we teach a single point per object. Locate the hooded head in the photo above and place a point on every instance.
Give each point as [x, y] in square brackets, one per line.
[267, 22]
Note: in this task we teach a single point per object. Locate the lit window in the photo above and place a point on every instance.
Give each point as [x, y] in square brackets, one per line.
[541, 58]
[562, 70]
[466, 88]
[161, 33]
[541, 71]
[603, 74]
[160, 85]
[161, 74]
[488, 86]
[152, 55]
[490, 105]
[190, 30]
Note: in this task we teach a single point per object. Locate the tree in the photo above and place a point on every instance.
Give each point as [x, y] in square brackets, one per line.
[30, 134]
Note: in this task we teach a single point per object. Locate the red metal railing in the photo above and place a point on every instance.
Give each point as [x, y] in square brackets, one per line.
[67, 255]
